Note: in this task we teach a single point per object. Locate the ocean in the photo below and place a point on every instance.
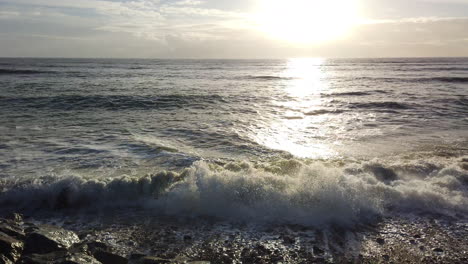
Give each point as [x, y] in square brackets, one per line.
[310, 142]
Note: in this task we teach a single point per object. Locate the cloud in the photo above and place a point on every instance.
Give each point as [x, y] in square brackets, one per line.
[189, 3]
[150, 19]
[191, 28]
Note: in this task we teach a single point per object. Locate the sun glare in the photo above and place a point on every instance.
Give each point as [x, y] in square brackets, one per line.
[295, 131]
[307, 21]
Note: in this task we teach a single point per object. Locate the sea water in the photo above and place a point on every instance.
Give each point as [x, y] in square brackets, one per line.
[303, 141]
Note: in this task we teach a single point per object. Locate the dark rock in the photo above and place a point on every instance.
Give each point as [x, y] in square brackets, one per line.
[10, 247]
[103, 252]
[30, 229]
[289, 239]
[318, 251]
[12, 230]
[106, 257]
[52, 257]
[97, 245]
[319, 260]
[136, 256]
[60, 257]
[45, 239]
[413, 242]
[5, 260]
[15, 217]
[151, 260]
[79, 258]
[187, 237]
[79, 248]
[381, 241]
[417, 236]
[386, 257]
[438, 250]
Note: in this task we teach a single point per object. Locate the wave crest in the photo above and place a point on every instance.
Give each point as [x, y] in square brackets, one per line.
[287, 191]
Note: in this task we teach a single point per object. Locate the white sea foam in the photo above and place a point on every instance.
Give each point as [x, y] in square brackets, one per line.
[285, 191]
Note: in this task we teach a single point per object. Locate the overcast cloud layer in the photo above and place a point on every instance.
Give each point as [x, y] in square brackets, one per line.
[220, 29]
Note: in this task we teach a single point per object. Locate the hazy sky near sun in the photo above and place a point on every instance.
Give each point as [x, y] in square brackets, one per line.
[233, 28]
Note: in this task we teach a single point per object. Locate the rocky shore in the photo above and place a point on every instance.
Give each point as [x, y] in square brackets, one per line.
[28, 243]
[202, 241]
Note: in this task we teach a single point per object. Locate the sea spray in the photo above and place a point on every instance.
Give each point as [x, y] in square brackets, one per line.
[282, 191]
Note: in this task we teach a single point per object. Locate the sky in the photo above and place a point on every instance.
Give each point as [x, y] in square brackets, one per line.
[233, 29]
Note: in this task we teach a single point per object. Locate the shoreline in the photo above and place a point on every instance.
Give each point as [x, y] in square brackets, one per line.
[399, 239]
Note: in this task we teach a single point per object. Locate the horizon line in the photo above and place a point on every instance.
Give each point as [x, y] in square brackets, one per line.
[265, 58]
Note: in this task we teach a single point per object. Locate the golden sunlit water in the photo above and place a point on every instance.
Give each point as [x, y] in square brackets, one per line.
[297, 132]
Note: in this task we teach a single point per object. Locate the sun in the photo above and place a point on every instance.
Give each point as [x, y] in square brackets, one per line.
[307, 21]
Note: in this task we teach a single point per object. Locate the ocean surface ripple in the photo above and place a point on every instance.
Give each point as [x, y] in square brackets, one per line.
[305, 141]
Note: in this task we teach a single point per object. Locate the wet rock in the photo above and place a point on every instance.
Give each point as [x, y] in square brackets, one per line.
[81, 247]
[5, 260]
[79, 258]
[380, 241]
[98, 245]
[318, 251]
[135, 256]
[150, 260]
[12, 230]
[103, 252]
[15, 217]
[289, 239]
[60, 257]
[52, 257]
[107, 257]
[45, 239]
[10, 247]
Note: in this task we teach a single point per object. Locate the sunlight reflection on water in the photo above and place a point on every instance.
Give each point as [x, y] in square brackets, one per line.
[295, 131]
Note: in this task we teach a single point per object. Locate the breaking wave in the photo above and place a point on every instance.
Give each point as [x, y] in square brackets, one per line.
[284, 191]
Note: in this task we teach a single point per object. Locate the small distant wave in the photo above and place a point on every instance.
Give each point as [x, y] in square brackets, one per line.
[20, 72]
[356, 93]
[380, 105]
[268, 77]
[345, 94]
[432, 69]
[416, 80]
[165, 144]
[112, 102]
[323, 112]
[449, 79]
